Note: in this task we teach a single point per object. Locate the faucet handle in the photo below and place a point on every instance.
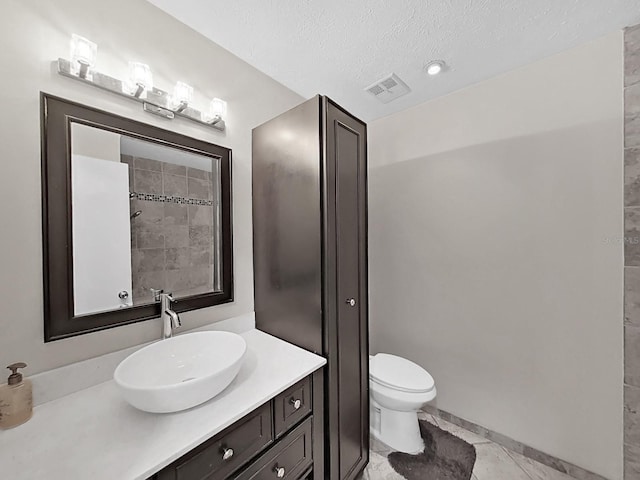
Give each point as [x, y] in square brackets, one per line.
[156, 293]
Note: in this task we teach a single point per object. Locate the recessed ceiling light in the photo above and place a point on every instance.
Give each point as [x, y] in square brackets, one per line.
[435, 67]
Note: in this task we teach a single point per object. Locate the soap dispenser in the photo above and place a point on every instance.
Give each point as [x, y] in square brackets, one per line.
[16, 399]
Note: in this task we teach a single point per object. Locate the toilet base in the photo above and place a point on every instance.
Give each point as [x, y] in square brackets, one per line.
[398, 430]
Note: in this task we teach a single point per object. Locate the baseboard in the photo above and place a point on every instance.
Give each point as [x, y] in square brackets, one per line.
[515, 446]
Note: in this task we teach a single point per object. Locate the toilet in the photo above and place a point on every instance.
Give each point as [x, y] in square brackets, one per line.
[398, 389]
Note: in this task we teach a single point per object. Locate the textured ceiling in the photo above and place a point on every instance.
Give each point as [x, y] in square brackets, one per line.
[339, 47]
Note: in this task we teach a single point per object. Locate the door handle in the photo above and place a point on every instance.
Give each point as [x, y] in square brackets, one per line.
[351, 302]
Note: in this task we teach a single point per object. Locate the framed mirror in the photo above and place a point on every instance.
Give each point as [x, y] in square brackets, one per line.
[128, 210]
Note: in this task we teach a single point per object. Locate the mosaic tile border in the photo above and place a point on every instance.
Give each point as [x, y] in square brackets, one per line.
[171, 199]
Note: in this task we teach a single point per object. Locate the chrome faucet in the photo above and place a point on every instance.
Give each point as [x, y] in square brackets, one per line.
[170, 319]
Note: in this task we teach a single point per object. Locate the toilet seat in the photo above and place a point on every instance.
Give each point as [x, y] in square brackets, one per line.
[399, 374]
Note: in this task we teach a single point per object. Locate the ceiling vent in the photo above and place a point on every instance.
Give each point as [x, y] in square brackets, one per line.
[388, 89]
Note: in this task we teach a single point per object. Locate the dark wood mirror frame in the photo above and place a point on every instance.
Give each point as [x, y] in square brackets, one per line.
[57, 114]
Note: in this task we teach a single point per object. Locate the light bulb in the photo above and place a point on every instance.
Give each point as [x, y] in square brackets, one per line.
[140, 78]
[182, 96]
[434, 68]
[83, 55]
[217, 111]
[218, 108]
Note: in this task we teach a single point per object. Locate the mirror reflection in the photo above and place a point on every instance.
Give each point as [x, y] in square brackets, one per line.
[145, 217]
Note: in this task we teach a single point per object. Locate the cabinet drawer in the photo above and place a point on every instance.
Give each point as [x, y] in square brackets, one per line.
[307, 475]
[291, 406]
[240, 443]
[288, 459]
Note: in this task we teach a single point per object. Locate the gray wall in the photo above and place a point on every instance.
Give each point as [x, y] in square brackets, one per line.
[495, 251]
[172, 244]
[34, 34]
[632, 254]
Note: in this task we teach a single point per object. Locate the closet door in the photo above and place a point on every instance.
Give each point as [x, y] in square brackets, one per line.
[347, 311]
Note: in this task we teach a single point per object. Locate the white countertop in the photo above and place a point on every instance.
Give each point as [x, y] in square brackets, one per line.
[94, 434]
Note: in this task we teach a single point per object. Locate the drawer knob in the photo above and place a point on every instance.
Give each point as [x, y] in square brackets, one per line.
[279, 471]
[227, 453]
[351, 302]
[296, 402]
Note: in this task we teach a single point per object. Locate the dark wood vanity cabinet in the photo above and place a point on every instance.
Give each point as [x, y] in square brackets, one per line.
[291, 458]
[282, 439]
[310, 259]
[291, 405]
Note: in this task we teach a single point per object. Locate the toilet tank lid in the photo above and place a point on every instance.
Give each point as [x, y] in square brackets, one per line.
[400, 373]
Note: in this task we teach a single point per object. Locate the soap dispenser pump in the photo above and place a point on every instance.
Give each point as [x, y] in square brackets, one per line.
[16, 398]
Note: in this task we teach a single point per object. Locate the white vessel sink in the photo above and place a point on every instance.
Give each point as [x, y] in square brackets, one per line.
[180, 372]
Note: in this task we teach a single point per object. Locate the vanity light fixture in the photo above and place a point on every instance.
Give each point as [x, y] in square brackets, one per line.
[182, 96]
[83, 55]
[435, 67]
[140, 78]
[217, 111]
[139, 86]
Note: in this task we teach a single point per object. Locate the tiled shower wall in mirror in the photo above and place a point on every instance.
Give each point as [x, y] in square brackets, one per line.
[632, 254]
[172, 238]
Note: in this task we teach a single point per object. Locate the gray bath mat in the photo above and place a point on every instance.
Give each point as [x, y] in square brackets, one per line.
[445, 457]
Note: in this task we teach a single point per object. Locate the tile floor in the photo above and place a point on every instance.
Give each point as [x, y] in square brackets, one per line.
[493, 461]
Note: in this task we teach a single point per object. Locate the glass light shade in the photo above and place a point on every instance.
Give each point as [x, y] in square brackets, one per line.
[218, 108]
[140, 76]
[83, 51]
[182, 93]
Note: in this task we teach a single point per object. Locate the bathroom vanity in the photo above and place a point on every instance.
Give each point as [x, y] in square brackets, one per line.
[264, 425]
[284, 416]
[274, 441]
[164, 195]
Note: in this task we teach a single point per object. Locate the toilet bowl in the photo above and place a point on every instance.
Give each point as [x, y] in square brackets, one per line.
[398, 388]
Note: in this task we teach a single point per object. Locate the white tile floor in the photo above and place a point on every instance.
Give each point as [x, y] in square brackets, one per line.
[493, 462]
